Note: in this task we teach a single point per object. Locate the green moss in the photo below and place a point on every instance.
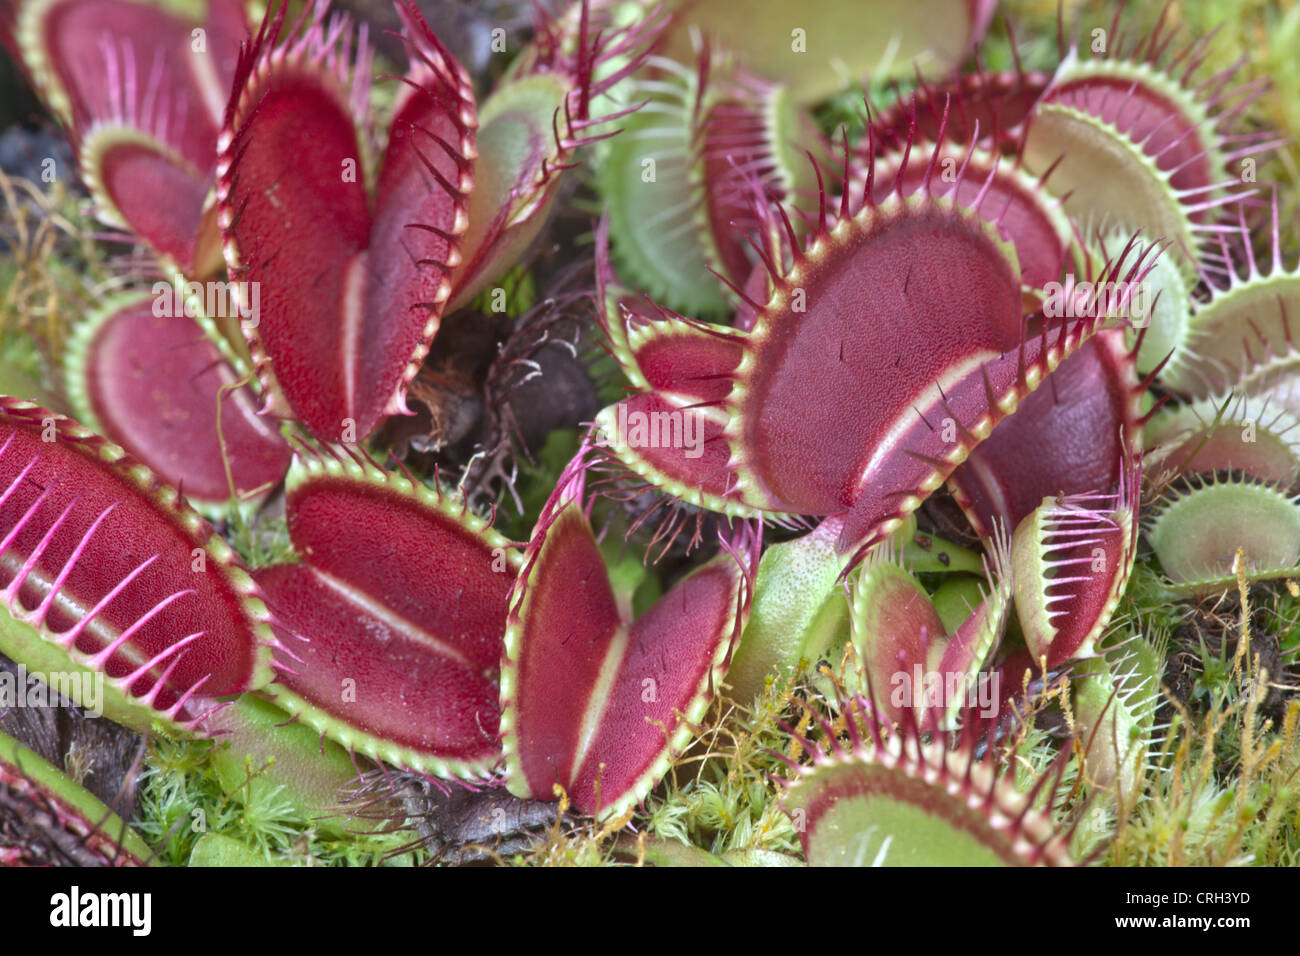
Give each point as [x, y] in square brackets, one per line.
[720, 797]
[182, 801]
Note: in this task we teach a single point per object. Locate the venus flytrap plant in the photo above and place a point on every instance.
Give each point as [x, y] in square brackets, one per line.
[1072, 557]
[905, 333]
[47, 819]
[1234, 441]
[424, 233]
[591, 703]
[1136, 142]
[394, 661]
[767, 402]
[108, 570]
[200, 430]
[1115, 697]
[881, 798]
[1197, 533]
[422, 187]
[141, 89]
[908, 659]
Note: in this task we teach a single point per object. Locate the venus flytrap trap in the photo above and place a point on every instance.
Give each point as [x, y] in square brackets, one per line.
[591, 704]
[1229, 434]
[881, 798]
[908, 659]
[396, 662]
[340, 358]
[1225, 459]
[141, 89]
[200, 431]
[1207, 533]
[770, 402]
[38, 800]
[1072, 557]
[1137, 142]
[1153, 97]
[1115, 697]
[108, 570]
